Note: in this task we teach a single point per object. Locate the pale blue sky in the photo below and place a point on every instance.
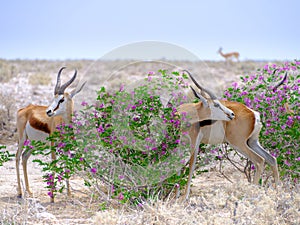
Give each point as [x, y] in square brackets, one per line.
[74, 29]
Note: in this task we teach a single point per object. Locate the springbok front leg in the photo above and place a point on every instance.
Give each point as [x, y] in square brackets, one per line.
[195, 143]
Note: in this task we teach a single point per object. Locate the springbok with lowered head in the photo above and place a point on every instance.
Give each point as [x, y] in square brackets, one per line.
[242, 133]
[36, 122]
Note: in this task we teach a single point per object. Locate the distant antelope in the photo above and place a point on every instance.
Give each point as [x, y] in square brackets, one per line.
[242, 133]
[230, 55]
[36, 122]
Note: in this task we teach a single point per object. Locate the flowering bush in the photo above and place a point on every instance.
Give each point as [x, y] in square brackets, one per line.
[129, 140]
[279, 110]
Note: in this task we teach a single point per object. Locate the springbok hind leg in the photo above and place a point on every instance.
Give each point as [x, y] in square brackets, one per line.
[25, 157]
[18, 157]
[254, 144]
[255, 158]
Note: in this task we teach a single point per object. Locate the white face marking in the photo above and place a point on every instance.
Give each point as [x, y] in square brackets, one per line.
[220, 112]
[57, 107]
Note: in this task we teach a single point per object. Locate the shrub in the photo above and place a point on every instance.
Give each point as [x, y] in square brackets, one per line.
[129, 140]
[279, 110]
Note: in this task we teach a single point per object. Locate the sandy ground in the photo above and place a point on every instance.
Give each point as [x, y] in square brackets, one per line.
[214, 200]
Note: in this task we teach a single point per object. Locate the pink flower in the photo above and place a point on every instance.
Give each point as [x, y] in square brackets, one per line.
[94, 170]
[50, 194]
[287, 163]
[26, 142]
[121, 88]
[235, 85]
[84, 103]
[121, 196]
[247, 101]
[100, 129]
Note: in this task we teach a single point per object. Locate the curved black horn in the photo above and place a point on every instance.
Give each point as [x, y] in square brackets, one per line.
[281, 82]
[199, 96]
[58, 81]
[67, 84]
[212, 96]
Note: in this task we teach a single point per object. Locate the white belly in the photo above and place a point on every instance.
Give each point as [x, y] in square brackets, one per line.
[213, 134]
[34, 134]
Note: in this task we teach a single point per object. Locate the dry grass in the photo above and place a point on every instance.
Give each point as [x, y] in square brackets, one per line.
[240, 203]
[7, 123]
[39, 79]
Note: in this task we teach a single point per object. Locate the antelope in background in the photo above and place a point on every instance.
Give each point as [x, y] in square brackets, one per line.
[242, 133]
[36, 122]
[229, 56]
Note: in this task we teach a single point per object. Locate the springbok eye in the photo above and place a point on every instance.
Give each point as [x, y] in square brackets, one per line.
[61, 100]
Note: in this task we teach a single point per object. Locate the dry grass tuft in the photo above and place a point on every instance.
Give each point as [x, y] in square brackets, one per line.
[240, 203]
[7, 70]
[7, 110]
[39, 79]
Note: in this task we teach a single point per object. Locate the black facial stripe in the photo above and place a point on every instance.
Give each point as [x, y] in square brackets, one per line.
[206, 123]
[59, 102]
[56, 107]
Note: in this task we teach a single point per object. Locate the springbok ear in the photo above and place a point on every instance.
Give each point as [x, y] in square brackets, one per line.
[199, 96]
[76, 90]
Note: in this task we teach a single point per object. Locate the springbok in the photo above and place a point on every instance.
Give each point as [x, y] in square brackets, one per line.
[230, 55]
[241, 133]
[36, 122]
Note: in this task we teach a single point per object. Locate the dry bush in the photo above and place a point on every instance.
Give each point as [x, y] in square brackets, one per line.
[7, 109]
[7, 70]
[39, 79]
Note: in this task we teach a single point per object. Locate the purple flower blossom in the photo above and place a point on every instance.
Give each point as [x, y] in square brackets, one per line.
[50, 194]
[61, 145]
[94, 170]
[84, 103]
[121, 196]
[235, 85]
[247, 101]
[121, 88]
[286, 162]
[100, 129]
[26, 142]
[177, 141]
[227, 94]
